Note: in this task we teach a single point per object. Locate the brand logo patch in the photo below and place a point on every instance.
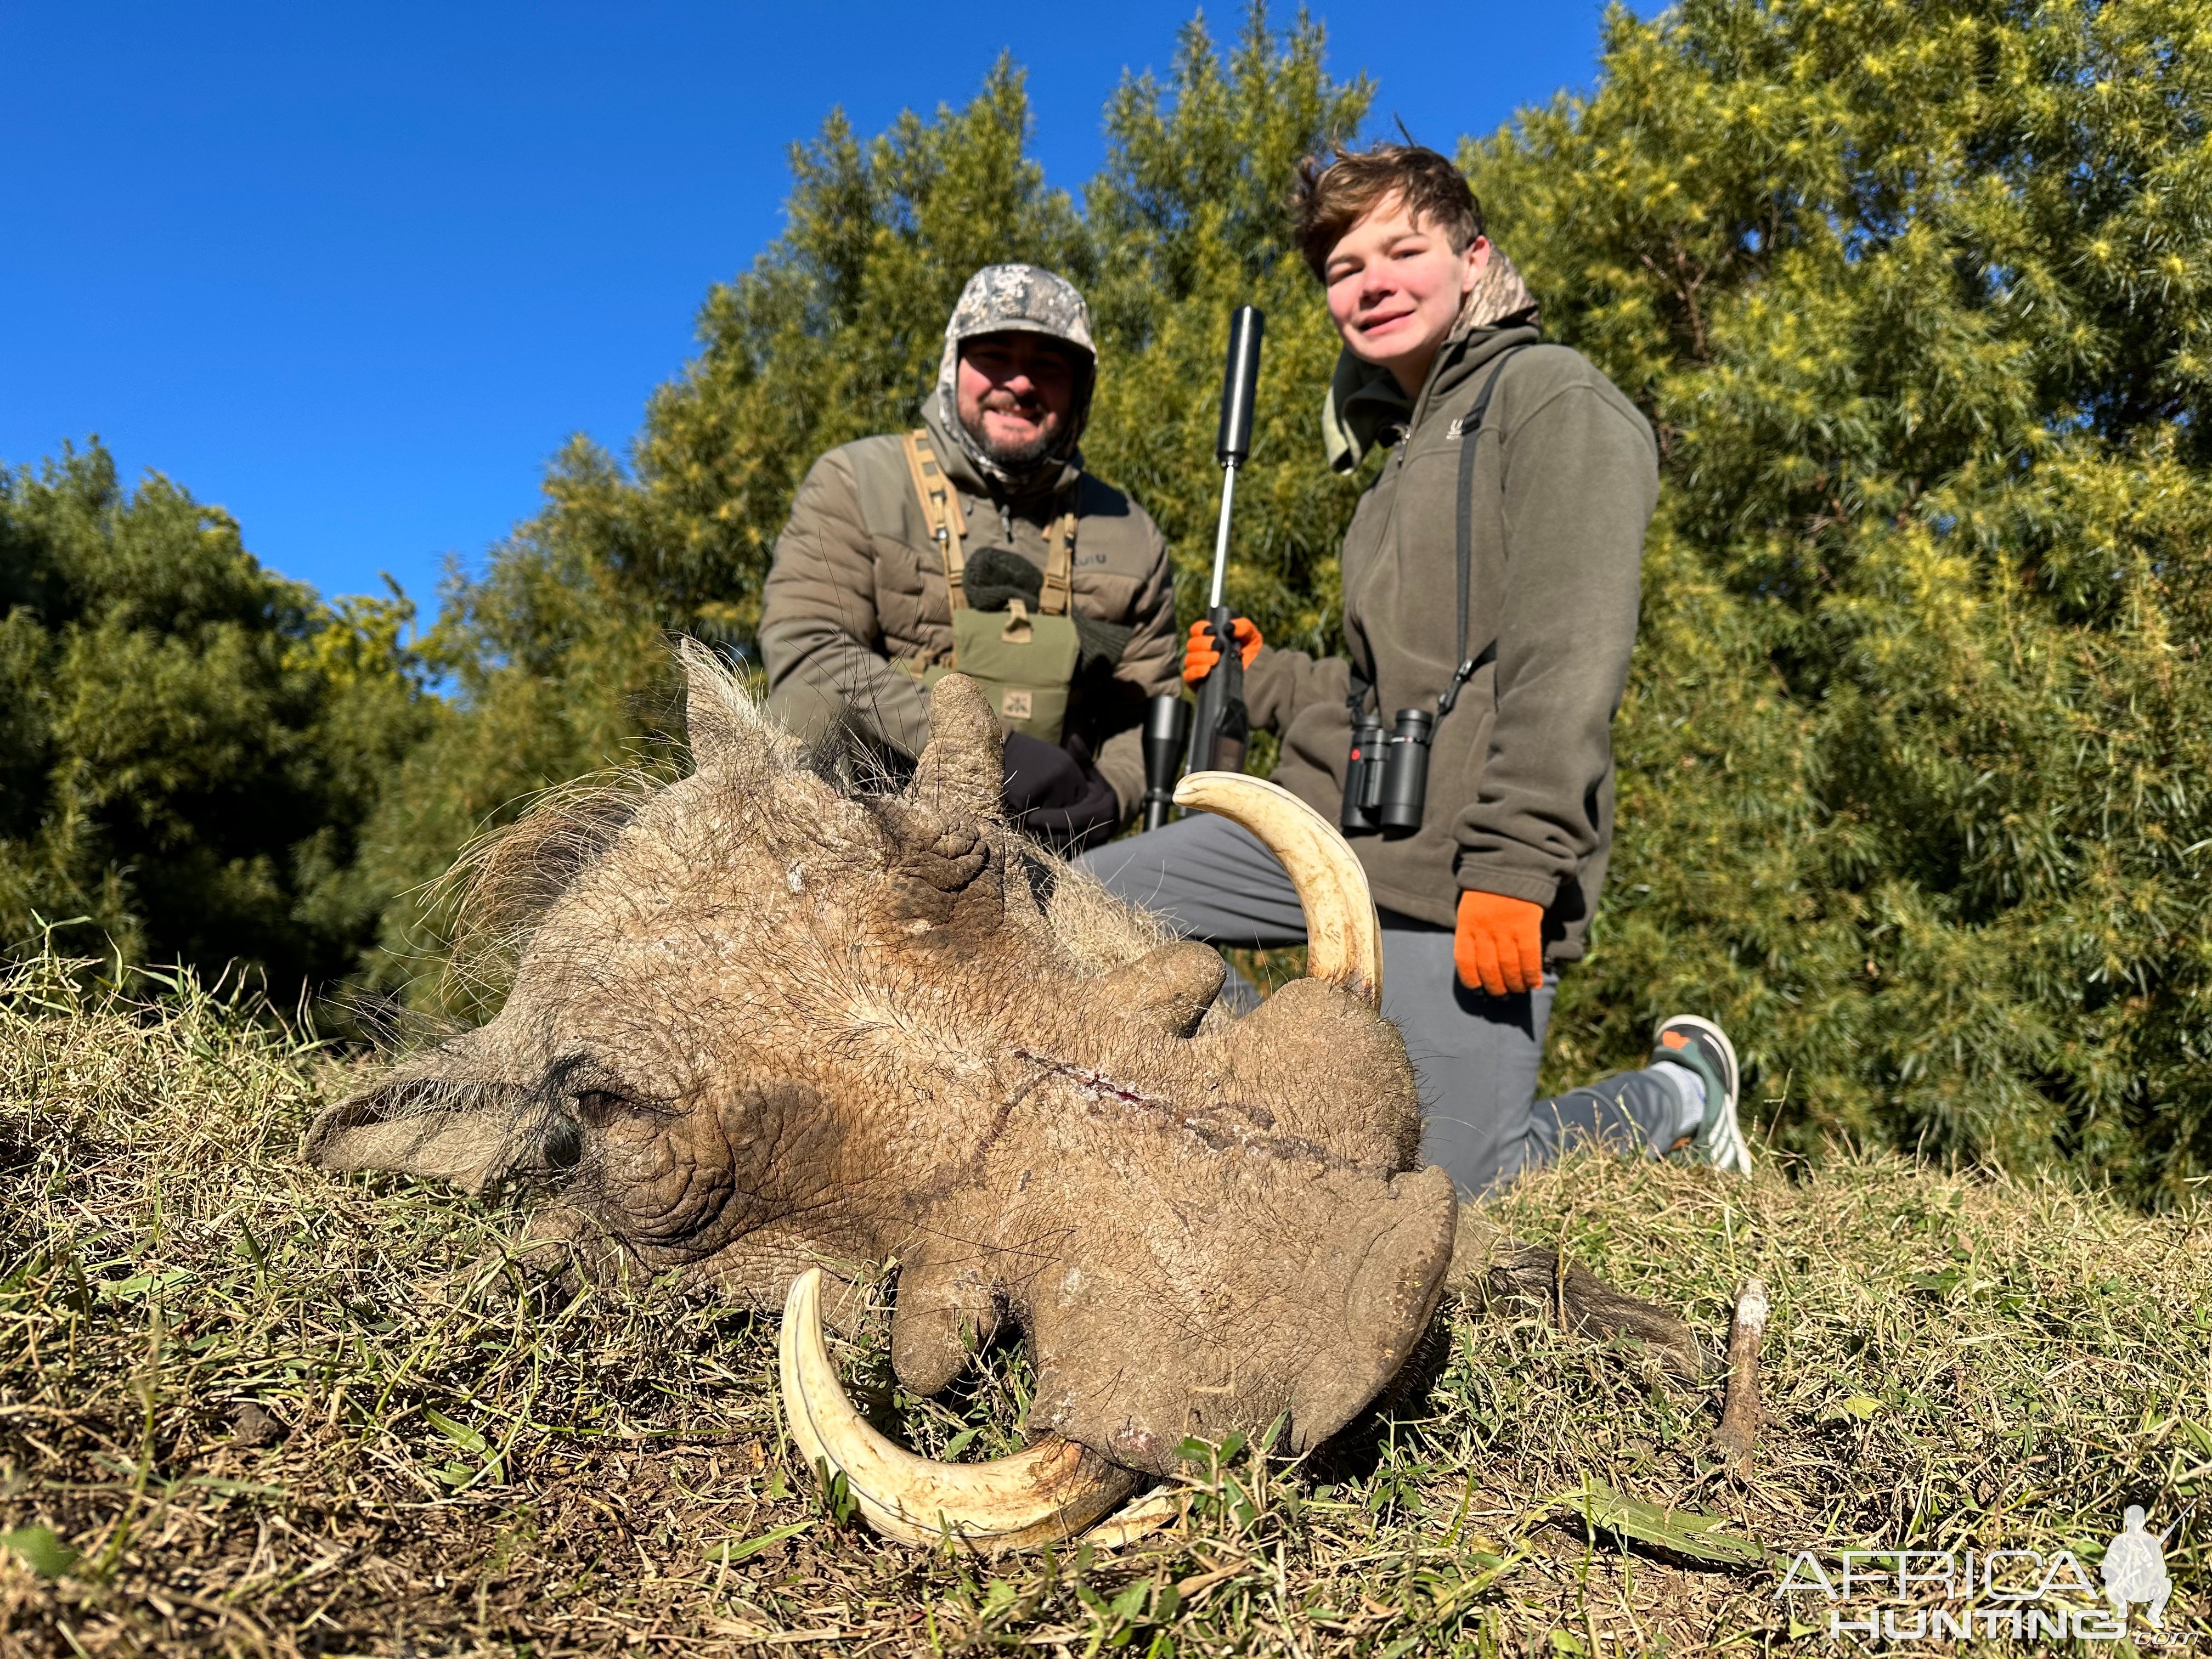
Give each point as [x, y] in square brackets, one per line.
[1015, 705]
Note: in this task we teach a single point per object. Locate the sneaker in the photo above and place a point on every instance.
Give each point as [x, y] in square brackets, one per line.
[1702, 1047]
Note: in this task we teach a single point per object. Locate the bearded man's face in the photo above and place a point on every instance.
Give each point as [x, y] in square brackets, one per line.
[1016, 394]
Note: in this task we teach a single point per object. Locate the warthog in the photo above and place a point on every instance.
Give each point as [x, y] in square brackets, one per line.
[761, 1025]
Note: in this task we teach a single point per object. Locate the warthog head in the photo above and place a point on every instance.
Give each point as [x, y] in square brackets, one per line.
[760, 1024]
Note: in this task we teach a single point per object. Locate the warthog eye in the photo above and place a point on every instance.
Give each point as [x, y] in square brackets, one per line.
[591, 1094]
[599, 1106]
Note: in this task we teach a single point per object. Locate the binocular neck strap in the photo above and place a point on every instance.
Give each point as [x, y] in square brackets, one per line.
[1470, 432]
[941, 507]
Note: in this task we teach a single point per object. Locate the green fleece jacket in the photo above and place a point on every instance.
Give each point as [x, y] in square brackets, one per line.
[1521, 780]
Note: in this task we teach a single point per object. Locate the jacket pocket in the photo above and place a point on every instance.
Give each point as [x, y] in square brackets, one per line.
[1106, 596]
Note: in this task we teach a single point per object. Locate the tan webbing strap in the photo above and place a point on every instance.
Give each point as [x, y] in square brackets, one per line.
[1059, 568]
[941, 507]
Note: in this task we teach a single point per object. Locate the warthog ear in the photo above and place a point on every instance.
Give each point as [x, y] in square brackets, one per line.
[445, 1115]
[962, 769]
[726, 728]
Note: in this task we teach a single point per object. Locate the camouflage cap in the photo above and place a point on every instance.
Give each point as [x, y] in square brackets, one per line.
[1026, 297]
[998, 299]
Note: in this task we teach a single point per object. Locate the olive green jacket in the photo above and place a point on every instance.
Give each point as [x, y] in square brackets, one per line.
[857, 583]
[1520, 781]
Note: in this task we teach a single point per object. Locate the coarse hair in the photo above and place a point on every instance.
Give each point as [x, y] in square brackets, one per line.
[1332, 197]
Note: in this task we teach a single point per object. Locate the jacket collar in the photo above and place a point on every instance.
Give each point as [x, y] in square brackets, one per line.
[952, 455]
[1464, 357]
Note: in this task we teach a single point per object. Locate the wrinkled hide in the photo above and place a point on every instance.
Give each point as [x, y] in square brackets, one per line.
[772, 1023]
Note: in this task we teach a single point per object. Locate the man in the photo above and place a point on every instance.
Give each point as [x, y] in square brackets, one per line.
[1490, 581]
[980, 543]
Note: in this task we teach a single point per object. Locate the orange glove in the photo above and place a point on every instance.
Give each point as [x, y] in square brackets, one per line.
[1199, 654]
[1499, 945]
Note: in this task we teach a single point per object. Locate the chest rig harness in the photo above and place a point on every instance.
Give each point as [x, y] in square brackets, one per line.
[1023, 661]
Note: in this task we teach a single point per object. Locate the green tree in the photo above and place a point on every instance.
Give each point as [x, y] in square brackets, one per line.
[188, 743]
[1917, 789]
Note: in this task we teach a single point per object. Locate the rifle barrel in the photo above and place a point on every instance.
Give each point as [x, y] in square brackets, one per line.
[1240, 388]
[1221, 535]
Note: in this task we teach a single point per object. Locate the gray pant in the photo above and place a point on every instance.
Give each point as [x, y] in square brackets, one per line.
[1475, 1057]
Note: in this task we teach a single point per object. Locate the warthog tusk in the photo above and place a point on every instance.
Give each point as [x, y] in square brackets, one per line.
[1045, 1494]
[1344, 940]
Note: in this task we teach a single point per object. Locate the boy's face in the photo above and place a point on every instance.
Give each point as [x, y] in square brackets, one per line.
[1396, 287]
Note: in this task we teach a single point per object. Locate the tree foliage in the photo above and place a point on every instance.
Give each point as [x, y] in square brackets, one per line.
[1916, 786]
[189, 744]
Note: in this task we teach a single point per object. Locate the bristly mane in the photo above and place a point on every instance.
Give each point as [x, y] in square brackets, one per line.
[503, 883]
[500, 886]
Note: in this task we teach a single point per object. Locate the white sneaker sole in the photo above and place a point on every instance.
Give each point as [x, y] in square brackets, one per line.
[1726, 1149]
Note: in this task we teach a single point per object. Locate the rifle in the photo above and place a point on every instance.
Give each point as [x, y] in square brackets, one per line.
[1219, 733]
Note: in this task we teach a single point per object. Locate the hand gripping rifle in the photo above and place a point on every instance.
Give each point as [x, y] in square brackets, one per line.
[1217, 735]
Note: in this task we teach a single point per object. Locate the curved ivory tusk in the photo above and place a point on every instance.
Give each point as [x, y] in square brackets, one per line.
[1147, 1516]
[1045, 1494]
[1344, 940]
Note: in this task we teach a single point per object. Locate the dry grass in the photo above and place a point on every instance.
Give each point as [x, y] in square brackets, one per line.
[272, 1412]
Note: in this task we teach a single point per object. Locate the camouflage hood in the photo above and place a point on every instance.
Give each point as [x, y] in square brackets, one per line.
[1364, 399]
[997, 300]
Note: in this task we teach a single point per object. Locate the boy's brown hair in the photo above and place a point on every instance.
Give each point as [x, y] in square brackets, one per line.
[1331, 197]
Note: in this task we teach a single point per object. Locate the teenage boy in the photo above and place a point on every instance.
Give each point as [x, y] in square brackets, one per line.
[1490, 581]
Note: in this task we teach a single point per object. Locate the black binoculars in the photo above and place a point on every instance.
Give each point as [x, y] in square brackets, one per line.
[1386, 783]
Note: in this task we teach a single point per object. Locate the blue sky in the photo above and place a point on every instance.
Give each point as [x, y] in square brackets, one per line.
[355, 273]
